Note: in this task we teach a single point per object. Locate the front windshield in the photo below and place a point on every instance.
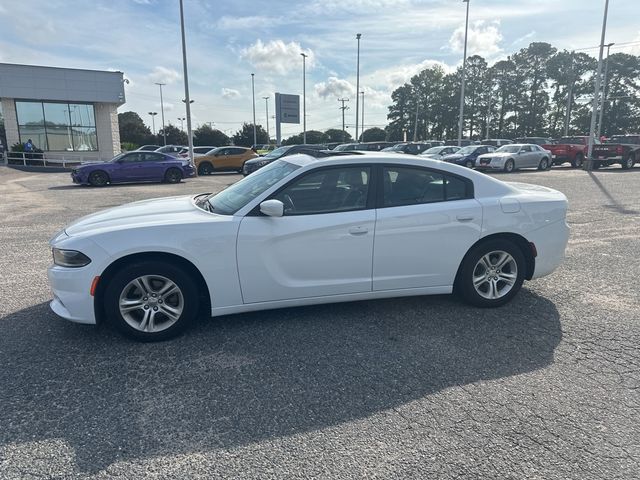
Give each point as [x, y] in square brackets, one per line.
[278, 152]
[118, 157]
[467, 150]
[345, 147]
[509, 148]
[232, 199]
[435, 150]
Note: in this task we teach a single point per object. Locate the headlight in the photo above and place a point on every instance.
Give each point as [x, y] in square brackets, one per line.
[70, 258]
[262, 163]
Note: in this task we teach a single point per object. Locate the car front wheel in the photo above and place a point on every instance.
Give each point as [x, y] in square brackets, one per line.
[98, 178]
[173, 175]
[491, 273]
[151, 301]
[544, 164]
[509, 166]
[205, 168]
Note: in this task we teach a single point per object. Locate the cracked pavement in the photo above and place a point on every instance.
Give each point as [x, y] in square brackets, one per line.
[546, 387]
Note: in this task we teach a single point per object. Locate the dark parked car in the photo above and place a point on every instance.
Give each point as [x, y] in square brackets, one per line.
[467, 155]
[254, 164]
[365, 146]
[412, 148]
[133, 167]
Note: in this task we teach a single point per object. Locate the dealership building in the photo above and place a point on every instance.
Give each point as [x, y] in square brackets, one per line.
[65, 112]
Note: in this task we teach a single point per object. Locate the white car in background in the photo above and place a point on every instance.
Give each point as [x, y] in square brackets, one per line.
[438, 152]
[513, 157]
[305, 230]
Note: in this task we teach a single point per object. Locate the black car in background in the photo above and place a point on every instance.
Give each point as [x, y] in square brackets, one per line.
[466, 156]
[254, 164]
[412, 148]
[364, 146]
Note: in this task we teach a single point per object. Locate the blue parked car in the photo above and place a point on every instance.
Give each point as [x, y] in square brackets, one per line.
[467, 155]
[134, 166]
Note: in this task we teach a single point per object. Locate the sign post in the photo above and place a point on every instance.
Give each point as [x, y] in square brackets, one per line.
[287, 111]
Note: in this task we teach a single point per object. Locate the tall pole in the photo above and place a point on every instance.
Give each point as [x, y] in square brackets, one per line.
[464, 66]
[567, 117]
[415, 128]
[253, 93]
[182, 119]
[343, 108]
[187, 100]
[304, 98]
[266, 106]
[362, 125]
[594, 103]
[153, 121]
[358, 35]
[164, 134]
[604, 91]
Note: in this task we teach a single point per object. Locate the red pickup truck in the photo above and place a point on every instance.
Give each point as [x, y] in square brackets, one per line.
[569, 149]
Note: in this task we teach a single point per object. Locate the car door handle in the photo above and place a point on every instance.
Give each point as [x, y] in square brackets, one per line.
[464, 218]
[358, 230]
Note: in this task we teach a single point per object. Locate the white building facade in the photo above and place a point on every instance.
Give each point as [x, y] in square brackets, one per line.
[64, 112]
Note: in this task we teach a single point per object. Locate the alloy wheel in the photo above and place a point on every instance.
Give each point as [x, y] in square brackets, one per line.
[495, 274]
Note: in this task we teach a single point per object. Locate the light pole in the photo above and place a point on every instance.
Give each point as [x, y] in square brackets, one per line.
[182, 119]
[604, 90]
[187, 101]
[358, 35]
[304, 98]
[362, 124]
[153, 121]
[253, 93]
[343, 108]
[464, 66]
[164, 134]
[594, 103]
[266, 107]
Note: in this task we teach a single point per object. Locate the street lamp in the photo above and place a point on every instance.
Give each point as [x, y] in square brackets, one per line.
[182, 119]
[153, 121]
[358, 35]
[604, 90]
[362, 125]
[266, 106]
[464, 66]
[594, 103]
[186, 84]
[304, 98]
[253, 93]
[164, 134]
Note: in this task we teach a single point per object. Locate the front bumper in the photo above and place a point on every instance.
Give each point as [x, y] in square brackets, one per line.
[489, 166]
[76, 177]
[71, 293]
[248, 168]
[189, 171]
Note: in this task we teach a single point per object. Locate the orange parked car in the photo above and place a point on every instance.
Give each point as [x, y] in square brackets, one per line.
[224, 159]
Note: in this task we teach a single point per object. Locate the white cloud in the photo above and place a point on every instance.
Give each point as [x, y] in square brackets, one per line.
[483, 39]
[335, 87]
[164, 75]
[524, 38]
[230, 93]
[168, 107]
[277, 56]
[392, 77]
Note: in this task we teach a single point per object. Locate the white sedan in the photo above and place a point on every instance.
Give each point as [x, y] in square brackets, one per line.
[513, 157]
[304, 231]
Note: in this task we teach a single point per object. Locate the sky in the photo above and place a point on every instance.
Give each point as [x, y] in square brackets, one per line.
[229, 40]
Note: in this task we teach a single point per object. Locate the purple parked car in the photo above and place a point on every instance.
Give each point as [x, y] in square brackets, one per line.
[133, 167]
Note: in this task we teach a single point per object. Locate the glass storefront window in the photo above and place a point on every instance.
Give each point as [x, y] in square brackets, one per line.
[55, 126]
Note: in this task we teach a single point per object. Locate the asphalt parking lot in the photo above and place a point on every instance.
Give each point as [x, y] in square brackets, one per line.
[546, 387]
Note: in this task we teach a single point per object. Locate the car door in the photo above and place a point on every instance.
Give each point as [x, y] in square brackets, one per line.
[321, 246]
[154, 166]
[221, 158]
[425, 223]
[527, 156]
[236, 158]
[130, 168]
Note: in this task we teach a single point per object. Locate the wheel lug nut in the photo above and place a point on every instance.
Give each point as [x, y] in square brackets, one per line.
[155, 308]
[145, 299]
[146, 307]
[160, 301]
[153, 294]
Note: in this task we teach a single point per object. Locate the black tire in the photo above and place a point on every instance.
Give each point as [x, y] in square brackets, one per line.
[173, 175]
[544, 164]
[468, 269]
[629, 162]
[98, 178]
[205, 168]
[509, 165]
[119, 285]
[596, 165]
[469, 164]
[578, 161]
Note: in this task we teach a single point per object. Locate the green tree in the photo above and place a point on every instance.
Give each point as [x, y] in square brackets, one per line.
[373, 134]
[335, 135]
[622, 106]
[175, 136]
[244, 136]
[205, 136]
[133, 129]
[314, 137]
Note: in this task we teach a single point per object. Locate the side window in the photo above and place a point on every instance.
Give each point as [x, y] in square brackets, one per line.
[237, 151]
[153, 157]
[132, 158]
[413, 186]
[327, 191]
[526, 149]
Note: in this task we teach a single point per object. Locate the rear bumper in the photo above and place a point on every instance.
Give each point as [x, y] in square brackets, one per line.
[551, 242]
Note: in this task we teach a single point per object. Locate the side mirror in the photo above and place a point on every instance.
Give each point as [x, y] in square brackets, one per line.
[272, 208]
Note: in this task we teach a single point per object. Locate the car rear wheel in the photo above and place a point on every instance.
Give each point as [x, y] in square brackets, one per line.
[491, 273]
[151, 301]
[205, 168]
[469, 164]
[578, 161]
[173, 175]
[509, 166]
[629, 162]
[98, 178]
[544, 164]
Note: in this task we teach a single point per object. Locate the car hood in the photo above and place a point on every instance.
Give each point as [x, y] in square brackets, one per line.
[496, 154]
[154, 212]
[452, 157]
